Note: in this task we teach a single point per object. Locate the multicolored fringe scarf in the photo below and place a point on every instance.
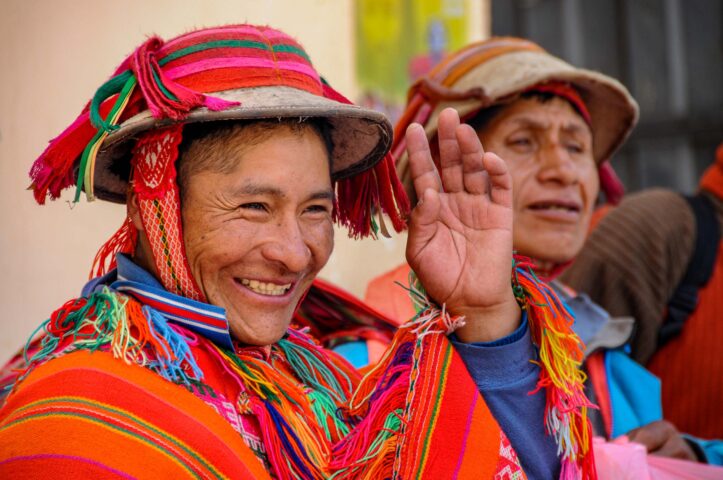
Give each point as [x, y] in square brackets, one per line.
[299, 409]
[172, 80]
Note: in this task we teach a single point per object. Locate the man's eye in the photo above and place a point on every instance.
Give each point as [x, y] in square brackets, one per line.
[317, 209]
[520, 141]
[254, 206]
[574, 148]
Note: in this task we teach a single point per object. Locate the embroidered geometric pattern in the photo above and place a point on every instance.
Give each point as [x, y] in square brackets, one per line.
[508, 466]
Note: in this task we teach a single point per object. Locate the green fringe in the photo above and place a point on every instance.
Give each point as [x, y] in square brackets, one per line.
[312, 371]
[103, 311]
[93, 327]
[324, 410]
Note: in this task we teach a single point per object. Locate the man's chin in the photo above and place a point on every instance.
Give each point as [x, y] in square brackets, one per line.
[556, 248]
[260, 337]
[543, 256]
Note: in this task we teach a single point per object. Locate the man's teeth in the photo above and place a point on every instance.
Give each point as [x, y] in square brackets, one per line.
[266, 288]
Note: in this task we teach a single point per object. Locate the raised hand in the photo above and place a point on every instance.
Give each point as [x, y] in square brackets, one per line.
[663, 439]
[460, 232]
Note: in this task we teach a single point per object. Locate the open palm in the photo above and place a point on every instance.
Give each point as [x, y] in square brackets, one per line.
[460, 232]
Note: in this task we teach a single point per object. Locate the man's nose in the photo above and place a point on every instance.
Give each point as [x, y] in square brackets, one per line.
[556, 165]
[288, 246]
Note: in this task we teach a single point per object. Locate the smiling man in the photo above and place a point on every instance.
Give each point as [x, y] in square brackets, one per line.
[234, 159]
[254, 205]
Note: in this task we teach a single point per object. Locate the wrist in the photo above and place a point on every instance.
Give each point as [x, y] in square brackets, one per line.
[487, 324]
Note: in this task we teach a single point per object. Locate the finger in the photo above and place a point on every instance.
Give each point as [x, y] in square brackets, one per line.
[422, 224]
[475, 177]
[500, 180]
[653, 435]
[676, 447]
[421, 167]
[427, 211]
[450, 159]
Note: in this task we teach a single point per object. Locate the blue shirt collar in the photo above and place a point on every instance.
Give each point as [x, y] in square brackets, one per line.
[129, 271]
[202, 318]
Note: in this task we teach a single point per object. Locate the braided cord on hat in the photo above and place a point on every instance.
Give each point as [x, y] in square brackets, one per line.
[159, 205]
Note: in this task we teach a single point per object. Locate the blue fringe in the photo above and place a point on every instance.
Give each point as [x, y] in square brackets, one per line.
[166, 365]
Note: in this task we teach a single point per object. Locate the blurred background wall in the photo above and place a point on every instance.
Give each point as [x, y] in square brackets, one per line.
[669, 53]
[55, 53]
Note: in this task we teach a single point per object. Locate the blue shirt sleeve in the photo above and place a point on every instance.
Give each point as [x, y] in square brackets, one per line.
[505, 376]
[708, 451]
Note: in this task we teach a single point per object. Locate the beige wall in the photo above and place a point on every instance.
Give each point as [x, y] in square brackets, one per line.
[54, 54]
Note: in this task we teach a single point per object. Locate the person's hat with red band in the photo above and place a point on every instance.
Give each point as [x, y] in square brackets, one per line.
[226, 73]
[498, 71]
[130, 132]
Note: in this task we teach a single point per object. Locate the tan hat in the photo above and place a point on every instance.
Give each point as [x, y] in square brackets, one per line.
[496, 71]
[129, 136]
[360, 137]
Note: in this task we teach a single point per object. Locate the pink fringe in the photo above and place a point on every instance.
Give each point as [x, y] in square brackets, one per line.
[610, 183]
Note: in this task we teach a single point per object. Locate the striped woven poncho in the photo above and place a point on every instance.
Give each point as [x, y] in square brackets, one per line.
[117, 387]
[116, 390]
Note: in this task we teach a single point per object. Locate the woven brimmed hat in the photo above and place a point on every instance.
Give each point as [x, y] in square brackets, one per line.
[226, 73]
[134, 123]
[497, 71]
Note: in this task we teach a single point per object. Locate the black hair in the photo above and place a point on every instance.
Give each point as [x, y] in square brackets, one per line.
[483, 117]
[211, 136]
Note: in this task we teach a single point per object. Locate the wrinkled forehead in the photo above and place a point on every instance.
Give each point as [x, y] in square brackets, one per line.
[536, 111]
[219, 146]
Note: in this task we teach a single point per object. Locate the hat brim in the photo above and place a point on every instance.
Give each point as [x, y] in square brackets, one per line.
[360, 137]
[613, 111]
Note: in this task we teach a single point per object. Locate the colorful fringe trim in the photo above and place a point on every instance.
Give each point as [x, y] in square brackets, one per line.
[309, 427]
[109, 321]
[319, 419]
[561, 356]
[561, 376]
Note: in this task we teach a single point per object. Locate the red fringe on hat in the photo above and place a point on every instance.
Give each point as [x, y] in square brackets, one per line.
[122, 241]
[376, 188]
[53, 170]
[610, 183]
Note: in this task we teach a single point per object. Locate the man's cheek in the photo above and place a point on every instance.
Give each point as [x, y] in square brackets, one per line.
[322, 244]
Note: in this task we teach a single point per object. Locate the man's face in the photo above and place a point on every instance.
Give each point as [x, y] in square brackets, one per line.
[548, 148]
[256, 237]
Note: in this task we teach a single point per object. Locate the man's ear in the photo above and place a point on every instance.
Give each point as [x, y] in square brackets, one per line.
[134, 212]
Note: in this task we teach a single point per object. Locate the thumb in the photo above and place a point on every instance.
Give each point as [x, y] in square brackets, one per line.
[427, 210]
